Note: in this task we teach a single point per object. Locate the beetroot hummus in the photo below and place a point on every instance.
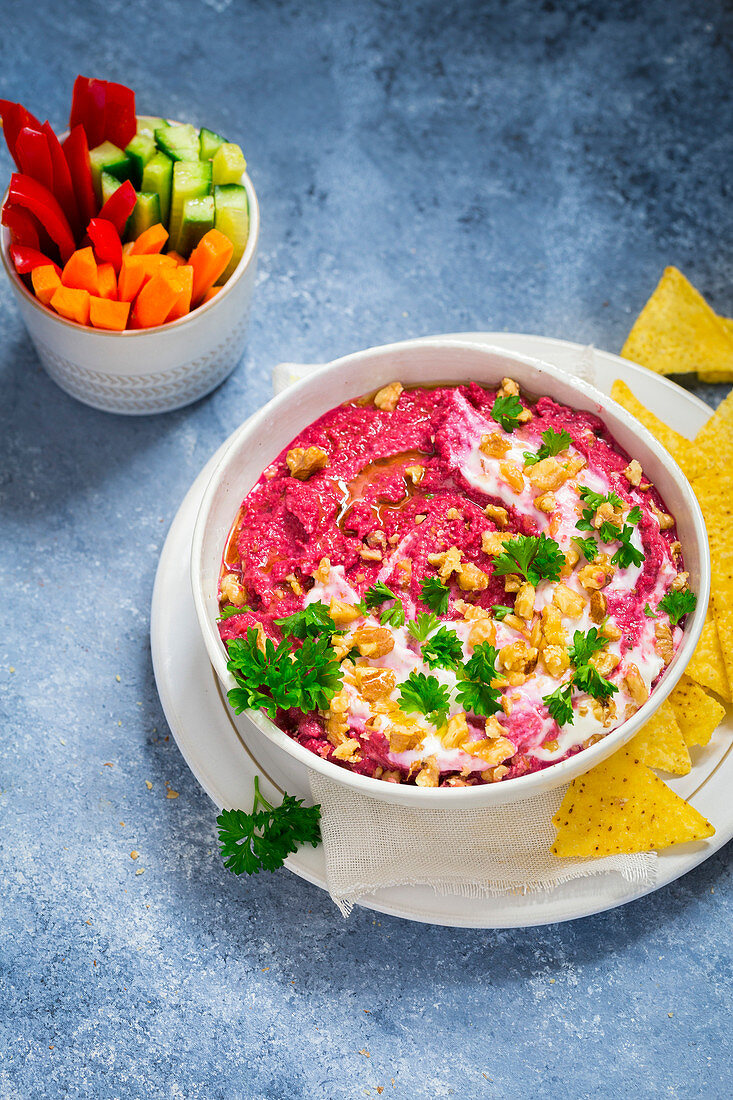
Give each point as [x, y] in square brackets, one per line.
[481, 585]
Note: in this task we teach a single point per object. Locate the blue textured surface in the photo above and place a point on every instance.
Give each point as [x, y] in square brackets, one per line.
[424, 168]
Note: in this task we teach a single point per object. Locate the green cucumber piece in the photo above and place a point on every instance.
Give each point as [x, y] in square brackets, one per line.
[148, 124]
[198, 218]
[145, 213]
[209, 142]
[228, 164]
[111, 159]
[232, 219]
[179, 142]
[141, 149]
[158, 177]
[107, 186]
[190, 181]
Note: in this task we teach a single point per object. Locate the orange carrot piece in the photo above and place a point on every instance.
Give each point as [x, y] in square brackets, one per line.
[184, 278]
[132, 277]
[208, 260]
[106, 282]
[72, 303]
[155, 300]
[80, 271]
[150, 240]
[104, 313]
[177, 256]
[210, 293]
[46, 281]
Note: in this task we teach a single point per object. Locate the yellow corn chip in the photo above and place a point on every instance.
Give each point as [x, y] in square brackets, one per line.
[660, 744]
[720, 375]
[671, 440]
[677, 331]
[706, 666]
[715, 494]
[697, 713]
[713, 444]
[622, 806]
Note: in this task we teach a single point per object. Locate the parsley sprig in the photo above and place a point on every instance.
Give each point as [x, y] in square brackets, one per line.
[588, 547]
[585, 645]
[475, 692]
[678, 604]
[534, 557]
[230, 609]
[506, 411]
[311, 621]
[378, 594]
[307, 677]
[443, 649]
[423, 625]
[262, 839]
[585, 677]
[435, 594]
[627, 554]
[426, 695]
[560, 704]
[553, 443]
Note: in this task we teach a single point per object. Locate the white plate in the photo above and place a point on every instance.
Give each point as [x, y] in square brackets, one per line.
[225, 752]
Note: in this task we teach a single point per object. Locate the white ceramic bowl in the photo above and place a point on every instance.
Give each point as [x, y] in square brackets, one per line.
[152, 370]
[262, 438]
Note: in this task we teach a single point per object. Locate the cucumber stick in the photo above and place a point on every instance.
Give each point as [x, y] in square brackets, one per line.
[146, 212]
[108, 158]
[148, 124]
[141, 149]
[179, 142]
[158, 177]
[209, 142]
[198, 218]
[228, 164]
[107, 186]
[190, 181]
[232, 219]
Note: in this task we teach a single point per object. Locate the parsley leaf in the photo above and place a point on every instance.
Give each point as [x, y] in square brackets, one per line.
[310, 622]
[585, 645]
[506, 411]
[230, 609]
[262, 839]
[443, 650]
[435, 594]
[627, 554]
[423, 625]
[475, 692]
[588, 679]
[554, 442]
[678, 604]
[648, 612]
[535, 557]
[500, 612]
[308, 678]
[482, 663]
[594, 501]
[393, 616]
[377, 594]
[588, 547]
[426, 695]
[560, 704]
[634, 515]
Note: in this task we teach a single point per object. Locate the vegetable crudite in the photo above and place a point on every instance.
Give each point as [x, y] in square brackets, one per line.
[451, 586]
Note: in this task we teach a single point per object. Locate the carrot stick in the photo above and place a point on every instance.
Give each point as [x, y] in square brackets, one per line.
[176, 256]
[150, 240]
[183, 277]
[208, 260]
[210, 293]
[72, 303]
[155, 300]
[106, 282]
[46, 281]
[80, 271]
[104, 313]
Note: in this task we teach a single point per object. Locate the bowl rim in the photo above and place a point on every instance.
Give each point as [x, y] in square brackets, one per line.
[521, 787]
[168, 326]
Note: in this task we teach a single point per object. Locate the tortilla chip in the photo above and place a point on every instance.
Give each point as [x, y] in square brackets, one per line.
[713, 445]
[671, 440]
[720, 375]
[706, 666]
[660, 744]
[622, 806]
[715, 494]
[677, 331]
[697, 713]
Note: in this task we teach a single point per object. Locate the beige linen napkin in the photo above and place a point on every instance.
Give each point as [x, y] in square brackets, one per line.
[480, 853]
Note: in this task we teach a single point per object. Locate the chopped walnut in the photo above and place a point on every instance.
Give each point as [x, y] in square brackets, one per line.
[570, 603]
[388, 396]
[452, 513]
[494, 775]
[373, 641]
[512, 582]
[598, 606]
[596, 574]
[336, 720]
[518, 657]
[377, 539]
[535, 636]
[680, 582]
[493, 728]
[341, 646]
[513, 622]
[369, 554]
[420, 519]
[470, 611]
[574, 465]
[231, 591]
[572, 558]
[545, 502]
[374, 683]
[403, 739]
[323, 572]
[524, 602]
[492, 752]
[611, 631]
[447, 562]
[303, 462]
[512, 474]
[482, 630]
[455, 731]
[403, 573]
[342, 612]
[633, 472]
[499, 515]
[348, 750]
[471, 578]
[556, 659]
[635, 685]
[294, 584]
[547, 474]
[676, 552]
[492, 542]
[552, 630]
[508, 388]
[429, 774]
[606, 513]
[663, 641]
[664, 519]
[604, 711]
[415, 474]
[605, 661]
[494, 445]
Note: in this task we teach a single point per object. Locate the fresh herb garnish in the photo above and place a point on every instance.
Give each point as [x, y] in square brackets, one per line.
[588, 547]
[443, 649]
[535, 557]
[634, 515]
[307, 677]
[310, 622]
[627, 554]
[423, 625]
[230, 609]
[678, 604]
[475, 691]
[506, 411]
[594, 501]
[585, 645]
[500, 612]
[587, 678]
[554, 442]
[377, 595]
[560, 704]
[648, 612]
[393, 616]
[435, 594]
[426, 695]
[262, 839]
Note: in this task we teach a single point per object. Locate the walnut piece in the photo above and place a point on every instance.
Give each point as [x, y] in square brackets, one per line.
[302, 462]
[598, 606]
[596, 574]
[294, 584]
[518, 657]
[546, 502]
[370, 554]
[605, 661]
[231, 590]
[556, 659]
[663, 641]
[323, 572]
[680, 582]
[494, 445]
[342, 612]
[348, 750]
[373, 641]
[635, 685]
[492, 542]
[403, 573]
[455, 731]
[508, 388]
[664, 519]
[547, 474]
[570, 603]
[415, 474]
[552, 630]
[374, 683]
[429, 774]
[633, 472]
[499, 515]
[388, 396]
[482, 630]
[512, 474]
[447, 562]
[524, 602]
[471, 578]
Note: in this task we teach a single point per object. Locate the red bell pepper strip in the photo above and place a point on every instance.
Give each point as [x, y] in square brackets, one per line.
[34, 156]
[14, 117]
[76, 151]
[106, 242]
[120, 123]
[36, 198]
[62, 186]
[119, 206]
[21, 226]
[26, 259]
[87, 108]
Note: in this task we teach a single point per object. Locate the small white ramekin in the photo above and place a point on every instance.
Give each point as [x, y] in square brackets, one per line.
[257, 442]
[142, 371]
